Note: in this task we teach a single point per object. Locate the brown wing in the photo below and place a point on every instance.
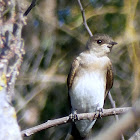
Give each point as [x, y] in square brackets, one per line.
[71, 76]
[72, 72]
[109, 79]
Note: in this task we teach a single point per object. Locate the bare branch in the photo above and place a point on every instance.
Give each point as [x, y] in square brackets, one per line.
[84, 18]
[116, 129]
[114, 106]
[33, 3]
[111, 100]
[136, 135]
[90, 116]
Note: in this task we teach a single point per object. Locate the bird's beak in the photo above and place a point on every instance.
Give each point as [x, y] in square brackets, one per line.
[113, 43]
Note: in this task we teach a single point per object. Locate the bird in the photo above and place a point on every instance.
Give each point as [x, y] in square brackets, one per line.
[89, 81]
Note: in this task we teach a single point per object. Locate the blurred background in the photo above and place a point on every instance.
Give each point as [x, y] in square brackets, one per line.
[53, 36]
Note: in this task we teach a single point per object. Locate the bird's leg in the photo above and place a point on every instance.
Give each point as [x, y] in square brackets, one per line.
[73, 116]
[98, 111]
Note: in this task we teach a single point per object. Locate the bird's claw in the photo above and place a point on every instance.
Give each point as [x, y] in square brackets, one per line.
[98, 113]
[73, 116]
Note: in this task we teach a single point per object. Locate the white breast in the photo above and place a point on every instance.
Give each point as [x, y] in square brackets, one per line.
[88, 92]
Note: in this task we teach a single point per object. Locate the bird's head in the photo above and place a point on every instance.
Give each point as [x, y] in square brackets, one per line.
[100, 44]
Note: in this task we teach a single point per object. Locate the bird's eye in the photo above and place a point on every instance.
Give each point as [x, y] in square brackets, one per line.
[99, 41]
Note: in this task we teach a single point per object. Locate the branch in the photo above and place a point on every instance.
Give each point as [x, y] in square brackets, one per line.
[114, 106]
[117, 128]
[90, 116]
[136, 135]
[33, 3]
[84, 18]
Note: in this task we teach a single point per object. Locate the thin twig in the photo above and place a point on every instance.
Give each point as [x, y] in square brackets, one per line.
[33, 3]
[84, 18]
[114, 106]
[90, 116]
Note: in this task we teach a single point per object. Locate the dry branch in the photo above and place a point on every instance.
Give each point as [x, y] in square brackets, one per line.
[90, 116]
[136, 135]
[33, 3]
[114, 106]
[84, 18]
[117, 128]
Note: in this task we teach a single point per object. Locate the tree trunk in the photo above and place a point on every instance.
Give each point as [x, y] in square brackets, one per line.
[11, 53]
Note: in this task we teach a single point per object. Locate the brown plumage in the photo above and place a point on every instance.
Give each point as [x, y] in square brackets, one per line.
[109, 79]
[72, 73]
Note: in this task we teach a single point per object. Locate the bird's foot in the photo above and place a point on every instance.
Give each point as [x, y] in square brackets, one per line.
[98, 113]
[73, 116]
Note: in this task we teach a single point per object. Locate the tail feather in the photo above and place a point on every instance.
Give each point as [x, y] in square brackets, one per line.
[74, 134]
